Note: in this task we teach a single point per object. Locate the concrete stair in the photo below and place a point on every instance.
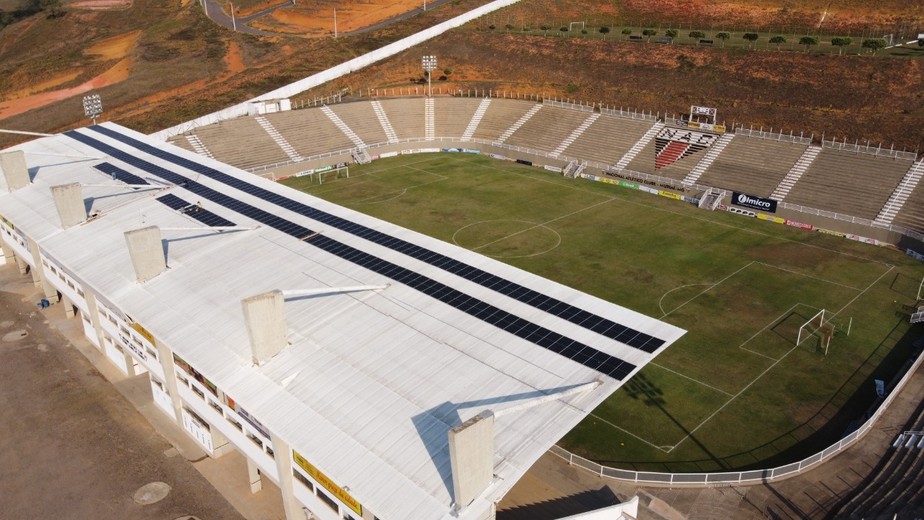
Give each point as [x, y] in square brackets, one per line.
[429, 120]
[637, 147]
[197, 145]
[383, 120]
[476, 118]
[707, 159]
[795, 173]
[343, 127]
[900, 195]
[574, 135]
[520, 122]
[279, 139]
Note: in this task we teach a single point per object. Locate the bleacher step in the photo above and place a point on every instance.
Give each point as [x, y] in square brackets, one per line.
[574, 135]
[795, 173]
[279, 139]
[898, 198]
[199, 146]
[707, 159]
[383, 120]
[520, 122]
[347, 131]
[637, 147]
[476, 119]
[429, 119]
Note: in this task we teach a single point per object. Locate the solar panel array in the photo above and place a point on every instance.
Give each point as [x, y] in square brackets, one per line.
[581, 317]
[119, 174]
[536, 334]
[194, 210]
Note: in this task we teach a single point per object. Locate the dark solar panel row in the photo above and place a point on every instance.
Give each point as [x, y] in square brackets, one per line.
[119, 174]
[545, 338]
[195, 211]
[576, 315]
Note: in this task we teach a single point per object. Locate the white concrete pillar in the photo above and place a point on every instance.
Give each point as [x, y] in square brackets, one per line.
[15, 171]
[68, 307]
[129, 364]
[147, 252]
[94, 316]
[283, 458]
[69, 203]
[266, 324]
[253, 476]
[7, 251]
[471, 455]
[22, 265]
[165, 358]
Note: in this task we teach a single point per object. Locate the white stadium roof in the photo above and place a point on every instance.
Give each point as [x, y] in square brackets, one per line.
[371, 381]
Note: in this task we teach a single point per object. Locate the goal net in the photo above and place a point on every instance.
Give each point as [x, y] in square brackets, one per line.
[817, 331]
[573, 25]
[342, 172]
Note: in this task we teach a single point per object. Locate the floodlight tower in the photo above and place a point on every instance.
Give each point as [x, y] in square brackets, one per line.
[92, 106]
[429, 65]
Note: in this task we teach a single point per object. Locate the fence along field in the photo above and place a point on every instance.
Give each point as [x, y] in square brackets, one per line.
[736, 392]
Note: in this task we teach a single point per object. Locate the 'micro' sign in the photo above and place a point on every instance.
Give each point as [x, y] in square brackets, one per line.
[750, 201]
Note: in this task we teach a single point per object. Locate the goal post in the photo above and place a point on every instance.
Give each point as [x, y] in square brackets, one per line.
[818, 326]
[572, 25]
[332, 174]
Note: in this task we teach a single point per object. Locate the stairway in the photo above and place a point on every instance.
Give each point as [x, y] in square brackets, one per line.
[383, 120]
[476, 119]
[516, 126]
[707, 159]
[900, 195]
[574, 135]
[279, 139]
[343, 126]
[795, 173]
[637, 147]
[429, 120]
[197, 145]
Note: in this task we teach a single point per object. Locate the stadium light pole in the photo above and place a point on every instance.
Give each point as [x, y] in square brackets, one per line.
[429, 64]
[92, 106]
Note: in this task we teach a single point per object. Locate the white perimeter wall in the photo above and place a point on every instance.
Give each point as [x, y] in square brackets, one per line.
[255, 105]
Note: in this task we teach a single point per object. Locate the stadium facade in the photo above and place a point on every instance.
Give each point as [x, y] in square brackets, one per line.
[367, 370]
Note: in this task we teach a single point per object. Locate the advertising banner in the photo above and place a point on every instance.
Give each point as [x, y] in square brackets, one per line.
[801, 225]
[327, 483]
[744, 212]
[771, 218]
[914, 254]
[555, 169]
[524, 161]
[669, 194]
[829, 232]
[606, 180]
[470, 150]
[627, 184]
[752, 202]
[383, 155]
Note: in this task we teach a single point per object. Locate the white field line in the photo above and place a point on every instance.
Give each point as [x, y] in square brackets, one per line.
[762, 374]
[713, 286]
[543, 224]
[627, 432]
[767, 326]
[662, 367]
[661, 307]
[810, 276]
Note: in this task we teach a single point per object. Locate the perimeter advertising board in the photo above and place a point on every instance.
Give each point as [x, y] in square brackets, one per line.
[752, 202]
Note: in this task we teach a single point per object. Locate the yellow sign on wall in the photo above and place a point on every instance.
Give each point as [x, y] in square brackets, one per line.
[327, 483]
[144, 332]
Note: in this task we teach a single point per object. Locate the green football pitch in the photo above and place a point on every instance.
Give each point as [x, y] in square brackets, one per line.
[736, 392]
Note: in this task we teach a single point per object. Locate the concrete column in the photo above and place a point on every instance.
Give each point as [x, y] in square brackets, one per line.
[15, 171]
[129, 363]
[253, 476]
[165, 358]
[94, 315]
[22, 265]
[7, 251]
[284, 467]
[266, 324]
[147, 252]
[68, 306]
[69, 203]
[471, 455]
[38, 273]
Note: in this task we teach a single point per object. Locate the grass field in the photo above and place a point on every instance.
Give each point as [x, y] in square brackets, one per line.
[736, 391]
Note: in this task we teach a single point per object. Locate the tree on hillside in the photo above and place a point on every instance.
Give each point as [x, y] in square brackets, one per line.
[874, 44]
[751, 38]
[649, 33]
[723, 36]
[54, 8]
[808, 41]
[921, 42]
[604, 31]
[545, 28]
[671, 33]
[627, 32]
[840, 43]
[697, 34]
[778, 40]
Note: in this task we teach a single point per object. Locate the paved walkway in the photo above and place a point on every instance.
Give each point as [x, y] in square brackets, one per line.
[78, 438]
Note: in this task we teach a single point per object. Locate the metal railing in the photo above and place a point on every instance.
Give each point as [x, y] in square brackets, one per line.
[742, 477]
[868, 149]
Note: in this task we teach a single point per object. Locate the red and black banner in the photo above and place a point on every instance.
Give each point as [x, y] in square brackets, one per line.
[673, 144]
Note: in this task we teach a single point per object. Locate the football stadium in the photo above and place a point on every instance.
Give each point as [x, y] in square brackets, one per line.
[393, 302]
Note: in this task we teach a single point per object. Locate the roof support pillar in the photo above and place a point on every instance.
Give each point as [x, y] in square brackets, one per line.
[147, 252]
[283, 456]
[266, 324]
[471, 455]
[69, 203]
[15, 171]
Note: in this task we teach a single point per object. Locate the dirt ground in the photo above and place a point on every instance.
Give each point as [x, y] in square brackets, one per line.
[317, 17]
